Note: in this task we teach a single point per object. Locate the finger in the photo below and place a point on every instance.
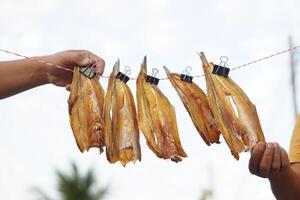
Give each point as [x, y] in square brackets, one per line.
[253, 147]
[83, 58]
[68, 87]
[98, 68]
[97, 58]
[284, 160]
[266, 160]
[87, 58]
[276, 164]
[85, 62]
[99, 64]
[256, 154]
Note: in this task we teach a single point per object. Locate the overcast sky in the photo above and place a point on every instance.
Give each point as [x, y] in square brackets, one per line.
[36, 137]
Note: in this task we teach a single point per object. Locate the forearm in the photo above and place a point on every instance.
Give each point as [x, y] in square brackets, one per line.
[286, 186]
[20, 75]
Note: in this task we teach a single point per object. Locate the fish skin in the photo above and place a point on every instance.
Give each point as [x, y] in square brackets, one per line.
[196, 103]
[157, 119]
[241, 129]
[85, 105]
[121, 131]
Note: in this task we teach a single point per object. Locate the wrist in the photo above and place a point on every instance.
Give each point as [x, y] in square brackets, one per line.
[40, 74]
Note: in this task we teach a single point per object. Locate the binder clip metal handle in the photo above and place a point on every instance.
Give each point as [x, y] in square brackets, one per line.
[124, 76]
[88, 71]
[152, 79]
[185, 76]
[221, 69]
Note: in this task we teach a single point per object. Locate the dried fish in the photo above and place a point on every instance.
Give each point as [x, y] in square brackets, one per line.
[234, 113]
[196, 103]
[85, 109]
[121, 128]
[157, 119]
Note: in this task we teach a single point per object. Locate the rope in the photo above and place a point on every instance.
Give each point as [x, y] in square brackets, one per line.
[265, 58]
[36, 60]
[166, 78]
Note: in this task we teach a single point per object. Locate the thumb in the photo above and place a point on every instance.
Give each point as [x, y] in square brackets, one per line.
[86, 61]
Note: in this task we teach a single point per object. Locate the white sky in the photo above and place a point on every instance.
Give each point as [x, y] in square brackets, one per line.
[35, 134]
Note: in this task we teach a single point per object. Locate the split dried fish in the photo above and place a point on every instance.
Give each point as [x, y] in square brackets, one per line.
[234, 113]
[121, 128]
[196, 103]
[85, 109]
[157, 119]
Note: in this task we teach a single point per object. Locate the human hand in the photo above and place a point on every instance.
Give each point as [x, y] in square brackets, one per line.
[268, 160]
[69, 59]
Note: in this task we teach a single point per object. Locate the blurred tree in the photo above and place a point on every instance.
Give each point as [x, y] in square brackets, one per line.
[74, 186]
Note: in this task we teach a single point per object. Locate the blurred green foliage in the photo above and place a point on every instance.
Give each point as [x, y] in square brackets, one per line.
[75, 186]
[207, 194]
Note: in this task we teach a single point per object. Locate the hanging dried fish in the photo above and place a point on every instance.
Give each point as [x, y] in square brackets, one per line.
[85, 109]
[157, 120]
[196, 103]
[234, 113]
[121, 128]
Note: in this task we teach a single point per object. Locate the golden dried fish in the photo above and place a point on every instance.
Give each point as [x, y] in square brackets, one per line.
[196, 103]
[85, 109]
[157, 120]
[121, 128]
[234, 113]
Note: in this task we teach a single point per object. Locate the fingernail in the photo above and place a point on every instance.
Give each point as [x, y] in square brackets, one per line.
[269, 145]
[86, 61]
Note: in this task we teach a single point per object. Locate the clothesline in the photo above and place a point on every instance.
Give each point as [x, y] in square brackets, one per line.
[166, 78]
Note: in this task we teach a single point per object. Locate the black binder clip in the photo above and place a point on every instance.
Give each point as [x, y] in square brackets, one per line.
[124, 76]
[152, 79]
[88, 71]
[221, 69]
[185, 76]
